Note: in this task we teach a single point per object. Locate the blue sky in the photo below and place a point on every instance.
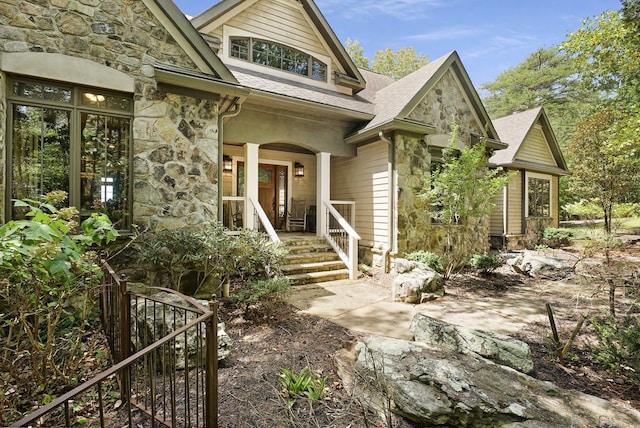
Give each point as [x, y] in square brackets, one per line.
[491, 36]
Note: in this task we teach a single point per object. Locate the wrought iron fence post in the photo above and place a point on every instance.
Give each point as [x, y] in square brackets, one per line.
[212, 366]
[125, 339]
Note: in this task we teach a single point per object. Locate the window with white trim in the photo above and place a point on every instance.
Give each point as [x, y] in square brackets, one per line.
[73, 139]
[275, 55]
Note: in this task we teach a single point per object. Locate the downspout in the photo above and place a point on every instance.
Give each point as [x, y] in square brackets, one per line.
[221, 117]
[391, 246]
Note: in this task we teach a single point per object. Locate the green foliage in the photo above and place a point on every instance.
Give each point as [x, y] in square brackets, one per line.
[546, 77]
[262, 291]
[618, 346]
[607, 161]
[211, 254]
[556, 238]
[485, 262]
[48, 290]
[432, 260]
[460, 195]
[395, 64]
[303, 384]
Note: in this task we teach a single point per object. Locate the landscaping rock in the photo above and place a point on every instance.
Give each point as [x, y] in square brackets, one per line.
[441, 388]
[414, 280]
[152, 321]
[498, 348]
[541, 265]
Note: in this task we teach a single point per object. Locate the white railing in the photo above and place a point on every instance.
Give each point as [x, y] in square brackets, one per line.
[342, 237]
[261, 218]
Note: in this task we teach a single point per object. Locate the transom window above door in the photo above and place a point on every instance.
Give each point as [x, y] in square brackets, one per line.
[73, 139]
[278, 56]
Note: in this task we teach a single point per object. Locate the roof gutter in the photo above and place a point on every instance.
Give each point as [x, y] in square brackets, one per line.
[409, 126]
[392, 247]
[233, 111]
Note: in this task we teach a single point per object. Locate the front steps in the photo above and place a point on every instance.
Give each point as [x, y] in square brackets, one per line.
[311, 260]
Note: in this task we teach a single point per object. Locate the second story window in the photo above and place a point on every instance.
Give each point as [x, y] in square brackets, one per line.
[278, 56]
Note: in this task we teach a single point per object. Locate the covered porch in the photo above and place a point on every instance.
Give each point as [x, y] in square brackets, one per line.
[280, 189]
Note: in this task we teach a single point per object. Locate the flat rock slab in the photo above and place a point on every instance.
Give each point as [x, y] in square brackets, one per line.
[439, 388]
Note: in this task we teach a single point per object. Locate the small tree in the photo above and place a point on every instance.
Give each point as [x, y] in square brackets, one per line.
[460, 196]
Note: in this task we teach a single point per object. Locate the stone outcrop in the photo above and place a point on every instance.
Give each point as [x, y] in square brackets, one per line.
[540, 265]
[414, 281]
[498, 348]
[152, 321]
[433, 387]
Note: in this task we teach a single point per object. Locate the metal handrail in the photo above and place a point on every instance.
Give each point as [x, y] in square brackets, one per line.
[264, 220]
[343, 238]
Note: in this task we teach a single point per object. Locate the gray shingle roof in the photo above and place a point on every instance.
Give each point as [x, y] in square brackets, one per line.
[513, 130]
[290, 88]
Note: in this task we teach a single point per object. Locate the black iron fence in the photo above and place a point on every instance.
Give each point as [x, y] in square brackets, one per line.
[165, 360]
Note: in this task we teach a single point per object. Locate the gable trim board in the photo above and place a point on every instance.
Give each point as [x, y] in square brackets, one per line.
[215, 17]
[177, 24]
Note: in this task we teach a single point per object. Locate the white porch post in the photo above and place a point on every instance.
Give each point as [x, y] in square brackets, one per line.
[323, 190]
[250, 183]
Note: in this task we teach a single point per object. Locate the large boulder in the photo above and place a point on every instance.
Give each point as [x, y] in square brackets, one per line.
[432, 387]
[540, 265]
[498, 348]
[415, 281]
[152, 320]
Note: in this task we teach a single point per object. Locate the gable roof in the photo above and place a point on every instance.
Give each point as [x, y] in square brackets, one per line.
[353, 77]
[189, 39]
[395, 102]
[514, 130]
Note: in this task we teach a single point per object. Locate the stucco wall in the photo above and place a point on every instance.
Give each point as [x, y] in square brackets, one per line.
[175, 137]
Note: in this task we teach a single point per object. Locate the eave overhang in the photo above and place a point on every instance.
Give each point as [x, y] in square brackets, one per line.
[402, 125]
[489, 142]
[534, 167]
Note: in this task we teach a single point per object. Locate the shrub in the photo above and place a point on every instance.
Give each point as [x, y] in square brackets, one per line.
[194, 258]
[261, 291]
[485, 263]
[48, 291]
[556, 238]
[619, 344]
[432, 260]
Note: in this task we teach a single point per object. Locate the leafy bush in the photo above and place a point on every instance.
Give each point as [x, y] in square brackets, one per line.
[486, 263]
[591, 210]
[556, 238]
[48, 291]
[196, 257]
[262, 291]
[302, 384]
[619, 344]
[432, 260]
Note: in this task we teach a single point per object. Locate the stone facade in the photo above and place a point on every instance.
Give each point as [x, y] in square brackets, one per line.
[444, 106]
[175, 138]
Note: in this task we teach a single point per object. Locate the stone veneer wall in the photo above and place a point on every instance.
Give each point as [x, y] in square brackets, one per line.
[443, 107]
[175, 137]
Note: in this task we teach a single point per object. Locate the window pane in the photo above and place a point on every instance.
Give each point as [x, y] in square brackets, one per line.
[40, 152]
[319, 71]
[539, 197]
[104, 166]
[265, 175]
[42, 92]
[240, 48]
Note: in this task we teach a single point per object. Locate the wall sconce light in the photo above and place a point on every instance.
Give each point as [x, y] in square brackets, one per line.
[227, 163]
[299, 170]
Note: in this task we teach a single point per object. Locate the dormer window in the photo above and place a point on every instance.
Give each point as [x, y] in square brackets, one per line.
[278, 56]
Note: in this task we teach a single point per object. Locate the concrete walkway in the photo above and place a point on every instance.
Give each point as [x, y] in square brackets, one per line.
[366, 307]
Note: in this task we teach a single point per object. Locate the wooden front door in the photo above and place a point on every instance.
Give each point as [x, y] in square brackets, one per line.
[272, 193]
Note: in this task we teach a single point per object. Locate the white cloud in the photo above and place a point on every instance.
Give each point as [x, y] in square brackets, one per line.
[405, 10]
[449, 33]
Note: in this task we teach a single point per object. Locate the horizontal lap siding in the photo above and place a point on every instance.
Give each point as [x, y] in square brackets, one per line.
[535, 149]
[514, 204]
[496, 218]
[281, 22]
[365, 180]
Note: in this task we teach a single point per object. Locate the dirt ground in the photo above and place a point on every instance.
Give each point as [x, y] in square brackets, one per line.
[284, 337]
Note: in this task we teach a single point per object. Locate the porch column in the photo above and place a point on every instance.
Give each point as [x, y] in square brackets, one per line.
[250, 183]
[323, 190]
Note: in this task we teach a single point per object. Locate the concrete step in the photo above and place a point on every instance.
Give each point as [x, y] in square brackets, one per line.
[307, 267]
[315, 277]
[309, 248]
